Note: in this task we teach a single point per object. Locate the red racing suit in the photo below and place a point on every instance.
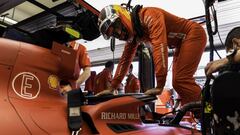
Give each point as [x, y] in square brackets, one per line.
[163, 30]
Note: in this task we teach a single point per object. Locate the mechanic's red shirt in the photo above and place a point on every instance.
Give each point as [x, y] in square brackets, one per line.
[89, 83]
[83, 58]
[132, 84]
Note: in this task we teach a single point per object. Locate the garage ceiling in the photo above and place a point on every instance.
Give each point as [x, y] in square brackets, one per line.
[24, 10]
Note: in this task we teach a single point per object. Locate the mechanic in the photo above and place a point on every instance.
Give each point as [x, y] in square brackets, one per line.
[232, 44]
[132, 82]
[103, 79]
[89, 84]
[84, 64]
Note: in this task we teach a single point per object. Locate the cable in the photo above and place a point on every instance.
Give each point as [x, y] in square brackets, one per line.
[172, 112]
[220, 38]
[206, 90]
[216, 52]
[216, 24]
[209, 28]
[216, 28]
[171, 63]
[214, 13]
[194, 119]
[183, 111]
[170, 66]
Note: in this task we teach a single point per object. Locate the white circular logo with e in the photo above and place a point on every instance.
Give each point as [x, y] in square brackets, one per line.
[26, 85]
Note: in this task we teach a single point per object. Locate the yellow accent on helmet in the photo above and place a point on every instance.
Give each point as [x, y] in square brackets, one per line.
[122, 11]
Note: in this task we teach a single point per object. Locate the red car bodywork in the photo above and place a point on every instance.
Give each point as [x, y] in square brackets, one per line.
[31, 104]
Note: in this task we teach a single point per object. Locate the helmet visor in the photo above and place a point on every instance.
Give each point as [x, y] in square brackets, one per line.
[106, 24]
[105, 28]
[115, 29]
[118, 30]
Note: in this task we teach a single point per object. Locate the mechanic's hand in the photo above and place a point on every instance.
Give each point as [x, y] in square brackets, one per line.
[104, 92]
[64, 89]
[154, 91]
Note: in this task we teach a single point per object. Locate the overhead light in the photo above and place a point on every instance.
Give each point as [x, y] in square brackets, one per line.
[8, 20]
